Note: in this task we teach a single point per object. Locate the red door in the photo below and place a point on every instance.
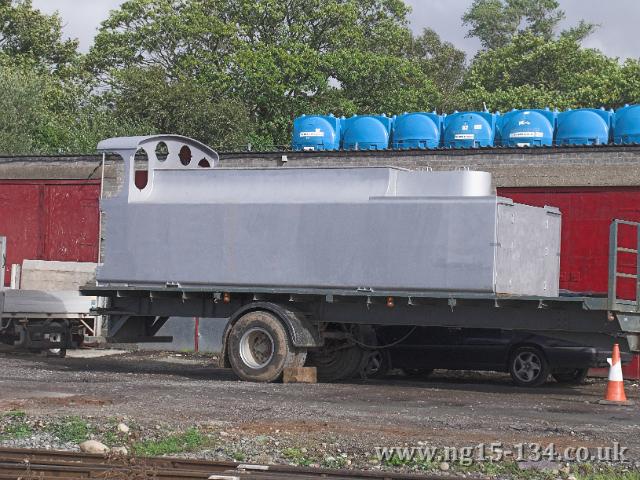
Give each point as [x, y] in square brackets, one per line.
[49, 220]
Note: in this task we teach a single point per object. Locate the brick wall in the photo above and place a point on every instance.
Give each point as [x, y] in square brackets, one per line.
[561, 167]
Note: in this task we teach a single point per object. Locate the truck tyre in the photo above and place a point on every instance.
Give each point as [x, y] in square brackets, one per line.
[55, 337]
[260, 349]
[336, 361]
[418, 372]
[577, 376]
[528, 366]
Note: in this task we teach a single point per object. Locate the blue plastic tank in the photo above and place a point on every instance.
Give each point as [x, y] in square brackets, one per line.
[527, 128]
[316, 132]
[585, 126]
[626, 124]
[417, 130]
[469, 130]
[367, 132]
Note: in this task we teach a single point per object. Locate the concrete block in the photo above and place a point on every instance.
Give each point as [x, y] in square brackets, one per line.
[48, 275]
[300, 375]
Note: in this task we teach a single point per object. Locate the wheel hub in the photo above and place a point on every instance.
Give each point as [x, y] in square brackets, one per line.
[527, 366]
[257, 348]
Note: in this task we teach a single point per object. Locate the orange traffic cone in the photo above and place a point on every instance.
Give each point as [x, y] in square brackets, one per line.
[615, 387]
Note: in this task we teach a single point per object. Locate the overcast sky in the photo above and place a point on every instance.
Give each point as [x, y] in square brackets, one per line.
[617, 35]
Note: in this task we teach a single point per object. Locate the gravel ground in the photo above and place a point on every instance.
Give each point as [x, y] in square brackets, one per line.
[332, 425]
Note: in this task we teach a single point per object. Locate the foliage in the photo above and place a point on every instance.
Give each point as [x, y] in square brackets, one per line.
[442, 62]
[235, 73]
[187, 441]
[15, 425]
[28, 34]
[297, 456]
[72, 429]
[496, 22]
[272, 59]
[40, 113]
[531, 72]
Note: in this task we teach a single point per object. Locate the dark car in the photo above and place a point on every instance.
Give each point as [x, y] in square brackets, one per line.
[529, 357]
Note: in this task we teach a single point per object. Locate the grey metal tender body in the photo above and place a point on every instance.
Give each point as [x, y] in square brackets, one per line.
[322, 247]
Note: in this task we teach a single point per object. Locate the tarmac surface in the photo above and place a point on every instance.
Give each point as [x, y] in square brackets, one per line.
[454, 409]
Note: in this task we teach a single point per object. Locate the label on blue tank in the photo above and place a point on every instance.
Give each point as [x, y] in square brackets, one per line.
[317, 133]
[464, 136]
[526, 135]
[477, 126]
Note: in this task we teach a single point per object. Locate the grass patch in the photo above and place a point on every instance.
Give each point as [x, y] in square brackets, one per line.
[238, 456]
[334, 462]
[297, 456]
[605, 472]
[72, 429]
[16, 426]
[188, 441]
[16, 414]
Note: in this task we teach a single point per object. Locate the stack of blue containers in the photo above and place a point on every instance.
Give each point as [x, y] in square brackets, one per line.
[424, 130]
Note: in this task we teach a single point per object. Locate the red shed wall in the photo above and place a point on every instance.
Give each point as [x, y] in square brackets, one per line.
[587, 213]
[586, 216]
[49, 220]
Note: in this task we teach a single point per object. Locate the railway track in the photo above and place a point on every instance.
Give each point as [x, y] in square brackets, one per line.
[47, 465]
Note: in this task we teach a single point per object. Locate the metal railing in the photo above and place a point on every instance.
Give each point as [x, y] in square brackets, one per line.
[614, 274]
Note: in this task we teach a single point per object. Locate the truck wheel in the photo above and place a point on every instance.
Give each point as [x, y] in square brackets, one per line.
[528, 366]
[337, 360]
[259, 348]
[55, 337]
[574, 377]
[418, 372]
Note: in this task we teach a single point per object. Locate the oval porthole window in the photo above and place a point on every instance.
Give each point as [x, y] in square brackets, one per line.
[141, 173]
[162, 151]
[185, 155]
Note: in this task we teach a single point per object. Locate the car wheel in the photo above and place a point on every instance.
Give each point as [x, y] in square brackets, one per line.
[377, 364]
[528, 366]
[259, 348]
[574, 377]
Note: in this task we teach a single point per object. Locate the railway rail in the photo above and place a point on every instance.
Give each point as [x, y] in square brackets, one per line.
[48, 464]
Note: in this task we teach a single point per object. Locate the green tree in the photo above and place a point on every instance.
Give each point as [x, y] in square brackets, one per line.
[180, 106]
[533, 72]
[496, 22]
[271, 59]
[41, 114]
[28, 35]
[441, 62]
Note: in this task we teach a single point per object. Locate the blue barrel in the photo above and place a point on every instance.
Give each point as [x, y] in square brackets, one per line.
[366, 132]
[316, 132]
[417, 130]
[626, 124]
[527, 128]
[469, 130]
[585, 126]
